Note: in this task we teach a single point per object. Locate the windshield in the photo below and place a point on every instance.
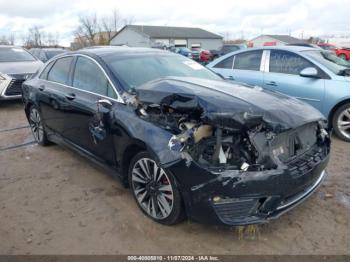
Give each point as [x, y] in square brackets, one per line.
[329, 60]
[52, 53]
[134, 71]
[15, 54]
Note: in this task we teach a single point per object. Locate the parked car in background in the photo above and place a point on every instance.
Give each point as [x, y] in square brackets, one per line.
[45, 54]
[225, 49]
[201, 55]
[16, 65]
[315, 76]
[184, 51]
[187, 143]
[343, 53]
[305, 45]
[327, 46]
[205, 56]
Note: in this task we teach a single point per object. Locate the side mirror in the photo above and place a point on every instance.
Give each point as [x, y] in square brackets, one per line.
[309, 72]
[105, 103]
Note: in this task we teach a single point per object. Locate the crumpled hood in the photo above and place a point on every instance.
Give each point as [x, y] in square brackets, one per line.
[28, 67]
[228, 104]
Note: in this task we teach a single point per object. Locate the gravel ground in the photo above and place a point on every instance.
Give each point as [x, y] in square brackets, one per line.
[55, 202]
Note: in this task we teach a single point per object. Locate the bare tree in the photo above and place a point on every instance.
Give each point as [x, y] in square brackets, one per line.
[4, 40]
[87, 30]
[12, 39]
[109, 26]
[33, 37]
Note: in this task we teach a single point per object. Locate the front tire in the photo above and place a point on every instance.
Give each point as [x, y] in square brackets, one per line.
[36, 125]
[155, 190]
[341, 122]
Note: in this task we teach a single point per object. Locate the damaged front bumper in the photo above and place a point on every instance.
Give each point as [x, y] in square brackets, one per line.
[233, 197]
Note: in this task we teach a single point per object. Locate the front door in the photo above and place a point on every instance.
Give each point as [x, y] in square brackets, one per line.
[283, 76]
[87, 124]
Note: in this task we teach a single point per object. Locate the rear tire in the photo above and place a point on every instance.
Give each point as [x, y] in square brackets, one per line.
[155, 190]
[37, 127]
[341, 122]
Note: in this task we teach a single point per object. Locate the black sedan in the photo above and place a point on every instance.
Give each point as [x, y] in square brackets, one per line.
[186, 142]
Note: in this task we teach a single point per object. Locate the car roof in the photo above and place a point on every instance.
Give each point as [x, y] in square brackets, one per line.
[122, 50]
[284, 47]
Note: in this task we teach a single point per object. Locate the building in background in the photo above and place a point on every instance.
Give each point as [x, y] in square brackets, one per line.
[274, 40]
[151, 36]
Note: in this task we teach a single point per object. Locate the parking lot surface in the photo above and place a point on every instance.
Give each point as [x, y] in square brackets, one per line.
[53, 201]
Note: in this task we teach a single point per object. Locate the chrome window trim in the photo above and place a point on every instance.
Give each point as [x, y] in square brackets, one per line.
[119, 100]
[99, 95]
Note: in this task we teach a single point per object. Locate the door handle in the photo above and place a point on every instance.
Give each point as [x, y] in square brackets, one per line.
[271, 83]
[70, 96]
[230, 78]
[42, 87]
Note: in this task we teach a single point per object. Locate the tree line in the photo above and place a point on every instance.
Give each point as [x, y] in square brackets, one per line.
[91, 30]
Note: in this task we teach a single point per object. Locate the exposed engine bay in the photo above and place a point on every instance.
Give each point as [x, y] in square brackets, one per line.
[223, 139]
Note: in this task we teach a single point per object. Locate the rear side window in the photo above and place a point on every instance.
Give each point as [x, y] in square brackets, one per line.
[287, 63]
[60, 71]
[248, 60]
[226, 63]
[89, 77]
[46, 70]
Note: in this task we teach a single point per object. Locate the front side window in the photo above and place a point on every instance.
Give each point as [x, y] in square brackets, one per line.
[287, 63]
[248, 60]
[60, 71]
[226, 63]
[89, 77]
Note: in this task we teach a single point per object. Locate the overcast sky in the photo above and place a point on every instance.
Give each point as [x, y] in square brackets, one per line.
[228, 18]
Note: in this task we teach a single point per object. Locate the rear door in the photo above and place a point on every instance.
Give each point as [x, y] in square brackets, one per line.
[243, 67]
[52, 100]
[282, 75]
[247, 68]
[87, 124]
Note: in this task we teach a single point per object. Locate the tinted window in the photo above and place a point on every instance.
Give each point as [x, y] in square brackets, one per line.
[228, 49]
[89, 77]
[136, 70]
[42, 56]
[287, 62]
[226, 63]
[15, 54]
[43, 74]
[52, 53]
[60, 70]
[248, 61]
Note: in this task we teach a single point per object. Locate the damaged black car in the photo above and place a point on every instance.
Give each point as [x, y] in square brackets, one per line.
[187, 143]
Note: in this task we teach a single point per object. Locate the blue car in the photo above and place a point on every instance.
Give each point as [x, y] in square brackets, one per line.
[184, 51]
[312, 75]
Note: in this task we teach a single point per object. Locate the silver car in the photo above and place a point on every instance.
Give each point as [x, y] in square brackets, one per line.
[16, 66]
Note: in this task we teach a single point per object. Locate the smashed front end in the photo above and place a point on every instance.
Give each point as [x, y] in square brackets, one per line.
[239, 164]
